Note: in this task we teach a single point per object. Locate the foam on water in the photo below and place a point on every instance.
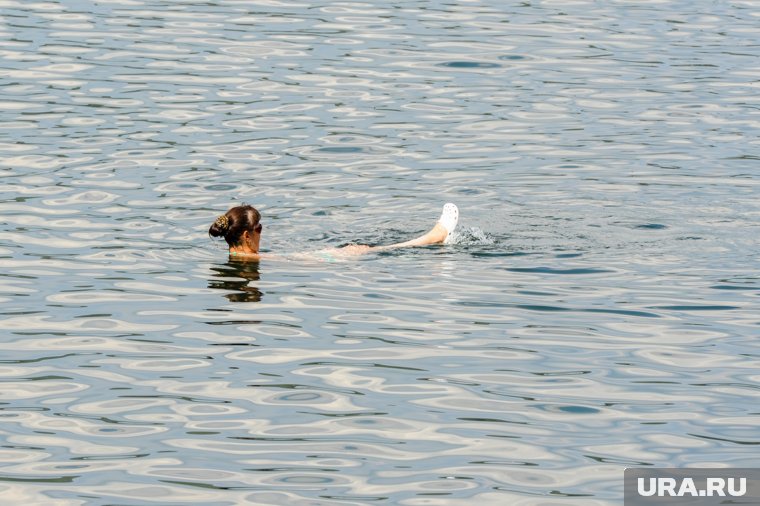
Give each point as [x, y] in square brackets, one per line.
[473, 236]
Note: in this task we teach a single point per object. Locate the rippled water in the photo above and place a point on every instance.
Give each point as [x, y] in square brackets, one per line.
[598, 310]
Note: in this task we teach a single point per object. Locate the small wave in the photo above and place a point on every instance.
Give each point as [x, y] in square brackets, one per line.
[472, 236]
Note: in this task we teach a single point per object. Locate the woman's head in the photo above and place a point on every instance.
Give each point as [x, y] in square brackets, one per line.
[234, 224]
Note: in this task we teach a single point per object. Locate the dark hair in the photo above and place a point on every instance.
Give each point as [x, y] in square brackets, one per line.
[234, 222]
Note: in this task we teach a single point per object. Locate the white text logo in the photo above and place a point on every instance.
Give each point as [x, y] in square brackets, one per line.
[663, 487]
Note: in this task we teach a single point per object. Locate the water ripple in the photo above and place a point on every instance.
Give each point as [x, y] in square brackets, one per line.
[600, 283]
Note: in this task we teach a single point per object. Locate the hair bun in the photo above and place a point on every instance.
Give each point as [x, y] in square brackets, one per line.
[220, 226]
[223, 222]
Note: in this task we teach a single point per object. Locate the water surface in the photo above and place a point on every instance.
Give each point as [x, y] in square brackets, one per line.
[597, 311]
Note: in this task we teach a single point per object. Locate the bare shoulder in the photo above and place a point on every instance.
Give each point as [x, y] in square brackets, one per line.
[247, 257]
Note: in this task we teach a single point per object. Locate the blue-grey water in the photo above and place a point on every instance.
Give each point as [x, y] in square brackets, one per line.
[598, 309]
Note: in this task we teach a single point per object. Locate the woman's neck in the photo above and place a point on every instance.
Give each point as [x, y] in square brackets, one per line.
[248, 245]
[243, 249]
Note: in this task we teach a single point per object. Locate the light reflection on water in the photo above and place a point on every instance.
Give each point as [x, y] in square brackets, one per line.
[596, 311]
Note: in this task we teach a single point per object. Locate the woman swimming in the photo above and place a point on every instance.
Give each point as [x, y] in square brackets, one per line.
[241, 228]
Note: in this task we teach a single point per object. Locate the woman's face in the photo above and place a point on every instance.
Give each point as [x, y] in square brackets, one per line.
[251, 239]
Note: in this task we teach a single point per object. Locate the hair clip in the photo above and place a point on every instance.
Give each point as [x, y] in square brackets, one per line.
[223, 222]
